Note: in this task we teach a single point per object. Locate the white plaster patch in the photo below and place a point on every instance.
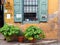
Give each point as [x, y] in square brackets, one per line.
[56, 12]
[51, 16]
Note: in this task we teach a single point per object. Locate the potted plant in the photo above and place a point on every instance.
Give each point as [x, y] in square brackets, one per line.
[14, 32]
[10, 32]
[34, 33]
[21, 37]
[4, 29]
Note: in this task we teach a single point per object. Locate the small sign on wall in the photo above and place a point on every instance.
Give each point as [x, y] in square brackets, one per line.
[8, 16]
[18, 15]
[5, 11]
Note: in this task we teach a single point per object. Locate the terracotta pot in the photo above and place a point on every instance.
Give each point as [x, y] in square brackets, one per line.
[21, 39]
[33, 41]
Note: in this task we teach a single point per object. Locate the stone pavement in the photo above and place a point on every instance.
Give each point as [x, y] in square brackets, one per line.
[51, 42]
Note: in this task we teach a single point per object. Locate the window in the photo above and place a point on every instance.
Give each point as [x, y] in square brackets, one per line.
[30, 10]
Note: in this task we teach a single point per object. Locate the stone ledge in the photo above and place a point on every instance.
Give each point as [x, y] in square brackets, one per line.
[43, 42]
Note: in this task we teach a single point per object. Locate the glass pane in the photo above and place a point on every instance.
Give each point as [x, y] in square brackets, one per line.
[31, 6]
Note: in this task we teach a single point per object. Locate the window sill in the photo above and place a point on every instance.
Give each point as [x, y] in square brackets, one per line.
[24, 22]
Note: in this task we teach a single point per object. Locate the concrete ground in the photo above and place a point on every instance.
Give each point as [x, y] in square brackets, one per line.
[44, 42]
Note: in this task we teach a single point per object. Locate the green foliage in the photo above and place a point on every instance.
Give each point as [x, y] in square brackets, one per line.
[9, 30]
[34, 32]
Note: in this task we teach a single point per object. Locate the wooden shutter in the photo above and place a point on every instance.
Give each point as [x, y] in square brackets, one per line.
[18, 10]
[42, 10]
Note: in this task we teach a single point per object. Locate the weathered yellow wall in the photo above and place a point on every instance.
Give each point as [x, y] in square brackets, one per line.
[52, 6]
[50, 28]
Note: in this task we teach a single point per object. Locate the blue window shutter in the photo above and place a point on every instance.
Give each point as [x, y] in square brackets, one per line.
[18, 10]
[42, 10]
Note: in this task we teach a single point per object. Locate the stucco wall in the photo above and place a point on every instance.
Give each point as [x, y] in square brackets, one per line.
[50, 28]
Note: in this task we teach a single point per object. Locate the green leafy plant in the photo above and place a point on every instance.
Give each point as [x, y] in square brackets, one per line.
[34, 32]
[4, 29]
[9, 31]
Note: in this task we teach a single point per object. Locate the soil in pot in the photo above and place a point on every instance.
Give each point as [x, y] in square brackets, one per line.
[21, 39]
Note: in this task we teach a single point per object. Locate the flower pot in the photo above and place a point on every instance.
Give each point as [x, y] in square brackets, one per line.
[9, 39]
[20, 39]
[33, 41]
